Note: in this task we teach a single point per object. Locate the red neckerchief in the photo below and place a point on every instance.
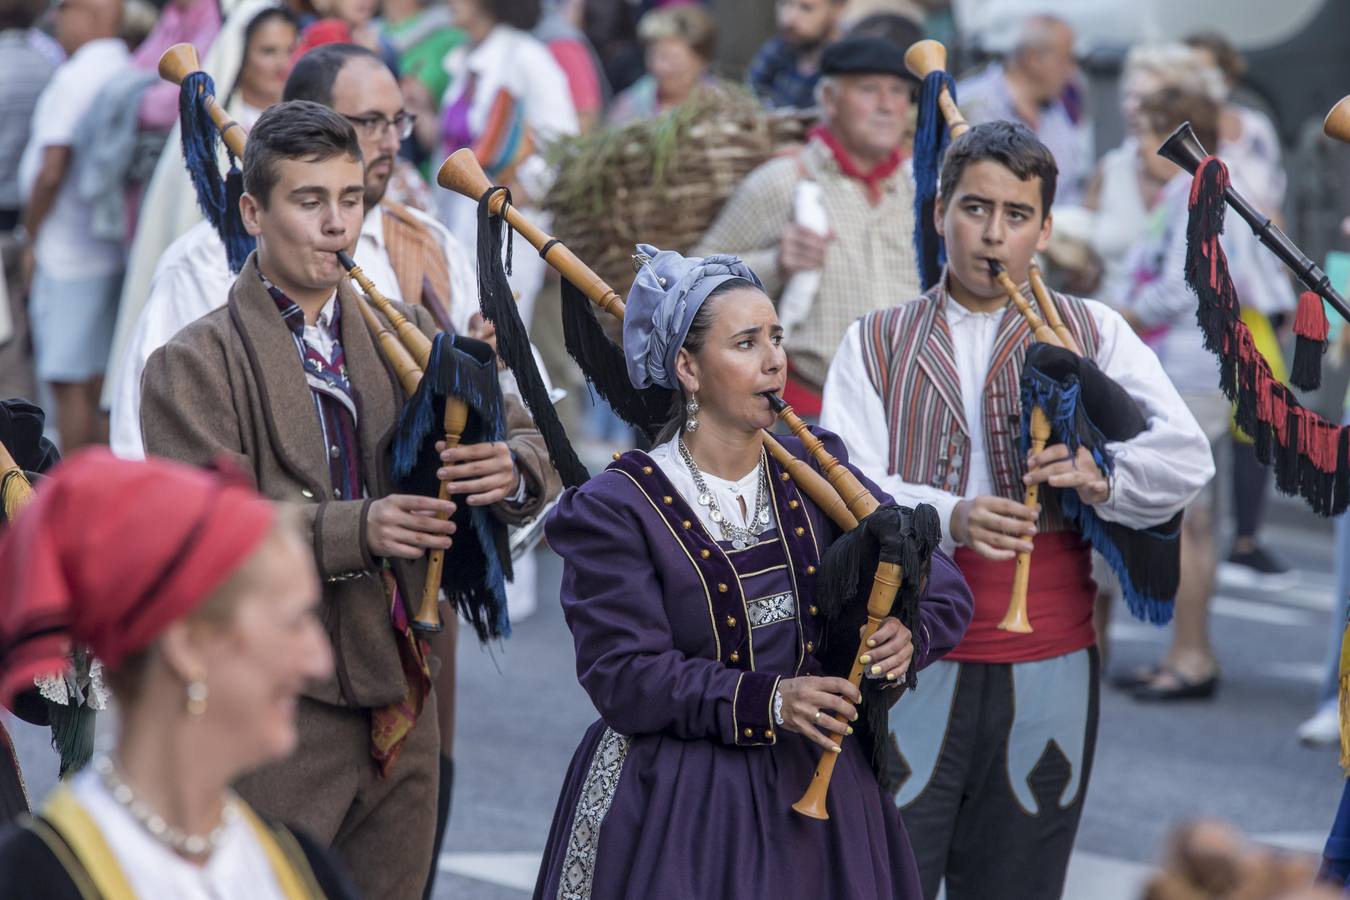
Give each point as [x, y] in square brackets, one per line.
[871, 180]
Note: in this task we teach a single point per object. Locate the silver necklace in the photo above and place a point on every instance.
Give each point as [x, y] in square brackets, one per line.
[175, 839]
[740, 537]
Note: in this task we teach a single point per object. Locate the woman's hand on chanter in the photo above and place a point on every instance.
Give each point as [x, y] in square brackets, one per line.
[809, 705]
[889, 651]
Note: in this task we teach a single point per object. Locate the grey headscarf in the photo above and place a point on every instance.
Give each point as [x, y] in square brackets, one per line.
[665, 297]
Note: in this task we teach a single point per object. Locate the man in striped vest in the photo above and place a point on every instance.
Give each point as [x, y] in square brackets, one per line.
[991, 756]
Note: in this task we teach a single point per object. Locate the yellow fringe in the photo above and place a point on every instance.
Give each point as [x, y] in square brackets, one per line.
[1345, 701]
[1268, 345]
[15, 492]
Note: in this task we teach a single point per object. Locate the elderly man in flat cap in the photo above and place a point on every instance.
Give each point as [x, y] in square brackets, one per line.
[830, 229]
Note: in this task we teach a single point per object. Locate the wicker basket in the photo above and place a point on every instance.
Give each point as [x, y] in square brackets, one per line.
[662, 181]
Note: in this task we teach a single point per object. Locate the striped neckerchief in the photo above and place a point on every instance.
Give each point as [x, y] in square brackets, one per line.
[334, 397]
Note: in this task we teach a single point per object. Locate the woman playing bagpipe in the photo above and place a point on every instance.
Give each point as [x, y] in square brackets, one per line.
[701, 585]
[967, 399]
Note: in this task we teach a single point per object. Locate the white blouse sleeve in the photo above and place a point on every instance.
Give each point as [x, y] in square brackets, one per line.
[463, 282]
[1161, 470]
[549, 111]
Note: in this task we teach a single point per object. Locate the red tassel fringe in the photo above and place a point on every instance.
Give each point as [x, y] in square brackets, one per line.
[1310, 456]
[1311, 329]
[1311, 322]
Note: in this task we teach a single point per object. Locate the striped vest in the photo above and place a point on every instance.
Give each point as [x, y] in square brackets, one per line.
[908, 353]
[418, 260]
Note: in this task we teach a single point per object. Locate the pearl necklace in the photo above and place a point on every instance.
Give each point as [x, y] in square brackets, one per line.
[176, 840]
[740, 537]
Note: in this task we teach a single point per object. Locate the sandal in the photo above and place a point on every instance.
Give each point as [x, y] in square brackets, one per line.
[1176, 686]
[1136, 678]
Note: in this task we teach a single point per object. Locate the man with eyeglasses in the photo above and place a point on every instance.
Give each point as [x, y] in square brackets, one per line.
[409, 255]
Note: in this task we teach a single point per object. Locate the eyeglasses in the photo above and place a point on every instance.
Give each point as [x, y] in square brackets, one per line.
[374, 126]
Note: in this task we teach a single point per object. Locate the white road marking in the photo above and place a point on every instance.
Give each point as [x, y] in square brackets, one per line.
[1134, 631]
[1307, 590]
[1265, 613]
[1096, 877]
[510, 870]
[1310, 842]
[1298, 671]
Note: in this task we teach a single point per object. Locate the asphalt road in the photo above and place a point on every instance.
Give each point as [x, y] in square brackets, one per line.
[521, 713]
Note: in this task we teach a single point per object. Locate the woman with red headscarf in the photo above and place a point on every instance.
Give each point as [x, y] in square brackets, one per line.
[199, 597]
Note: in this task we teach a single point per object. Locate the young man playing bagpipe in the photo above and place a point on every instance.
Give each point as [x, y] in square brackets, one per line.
[410, 258]
[287, 381]
[993, 752]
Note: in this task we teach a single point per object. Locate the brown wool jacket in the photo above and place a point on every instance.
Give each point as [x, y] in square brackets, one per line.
[231, 384]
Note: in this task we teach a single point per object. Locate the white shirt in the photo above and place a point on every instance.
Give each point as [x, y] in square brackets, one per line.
[66, 247]
[728, 494]
[512, 60]
[515, 61]
[193, 278]
[320, 334]
[169, 203]
[238, 869]
[1159, 296]
[1157, 473]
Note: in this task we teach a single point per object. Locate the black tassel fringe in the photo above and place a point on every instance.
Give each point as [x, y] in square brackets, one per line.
[605, 368]
[890, 534]
[1309, 457]
[513, 342]
[1306, 371]
[72, 734]
[478, 563]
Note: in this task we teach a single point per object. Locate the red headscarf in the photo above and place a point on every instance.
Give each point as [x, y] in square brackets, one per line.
[320, 32]
[110, 552]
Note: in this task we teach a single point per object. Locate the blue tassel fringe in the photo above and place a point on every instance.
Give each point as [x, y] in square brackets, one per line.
[930, 144]
[1069, 425]
[475, 574]
[218, 198]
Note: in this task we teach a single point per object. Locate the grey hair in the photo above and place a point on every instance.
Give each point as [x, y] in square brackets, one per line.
[1037, 32]
[1173, 64]
[823, 83]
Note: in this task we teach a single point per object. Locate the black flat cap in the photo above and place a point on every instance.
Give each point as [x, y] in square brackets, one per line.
[864, 55]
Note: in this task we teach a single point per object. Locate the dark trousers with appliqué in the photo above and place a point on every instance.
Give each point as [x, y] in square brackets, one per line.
[970, 825]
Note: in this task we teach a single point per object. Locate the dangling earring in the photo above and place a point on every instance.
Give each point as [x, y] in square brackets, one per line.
[196, 697]
[691, 409]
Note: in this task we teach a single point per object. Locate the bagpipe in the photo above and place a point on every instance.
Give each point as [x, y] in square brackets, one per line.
[448, 379]
[901, 541]
[1308, 453]
[67, 702]
[1065, 397]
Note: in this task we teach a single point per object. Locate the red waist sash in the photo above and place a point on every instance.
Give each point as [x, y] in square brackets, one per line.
[1059, 602]
[802, 397]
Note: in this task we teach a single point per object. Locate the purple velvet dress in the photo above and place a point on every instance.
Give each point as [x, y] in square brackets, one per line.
[683, 788]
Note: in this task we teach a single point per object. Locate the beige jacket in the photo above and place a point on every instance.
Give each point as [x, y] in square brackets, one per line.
[231, 384]
[869, 265]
